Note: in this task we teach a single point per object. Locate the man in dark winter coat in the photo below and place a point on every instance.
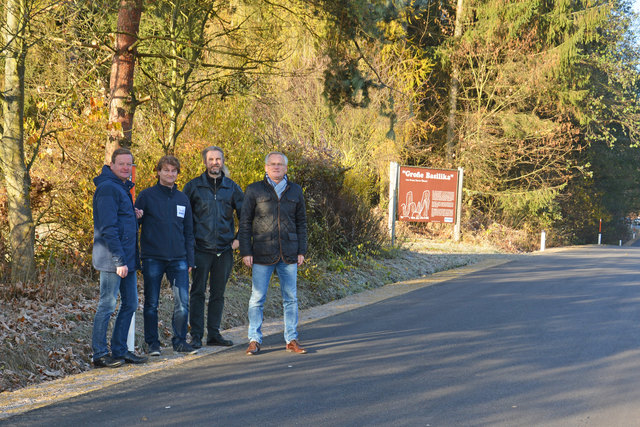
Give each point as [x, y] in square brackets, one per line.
[214, 198]
[166, 246]
[115, 255]
[273, 236]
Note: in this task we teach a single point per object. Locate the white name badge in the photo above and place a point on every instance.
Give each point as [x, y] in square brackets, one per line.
[181, 211]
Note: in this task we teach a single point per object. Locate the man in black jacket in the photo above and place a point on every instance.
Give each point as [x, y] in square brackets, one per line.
[214, 197]
[273, 236]
[166, 246]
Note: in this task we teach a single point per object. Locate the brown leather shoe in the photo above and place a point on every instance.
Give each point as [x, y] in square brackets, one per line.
[294, 347]
[253, 349]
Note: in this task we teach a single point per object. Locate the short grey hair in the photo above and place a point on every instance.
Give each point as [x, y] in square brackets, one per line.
[211, 148]
[274, 153]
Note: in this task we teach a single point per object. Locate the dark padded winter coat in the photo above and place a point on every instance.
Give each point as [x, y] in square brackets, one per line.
[272, 229]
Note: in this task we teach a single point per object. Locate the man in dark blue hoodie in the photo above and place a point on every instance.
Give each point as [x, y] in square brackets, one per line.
[115, 255]
[166, 246]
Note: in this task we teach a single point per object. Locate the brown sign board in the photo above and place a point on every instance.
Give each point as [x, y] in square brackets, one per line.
[427, 195]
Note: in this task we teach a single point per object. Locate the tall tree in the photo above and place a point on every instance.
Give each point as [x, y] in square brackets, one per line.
[602, 95]
[15, 170]
[122, 99]
[519, 91]
[454, 86]
[194, 49]
[44, 65]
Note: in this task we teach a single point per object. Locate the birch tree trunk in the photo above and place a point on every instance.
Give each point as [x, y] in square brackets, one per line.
[14, 169]
[122, 101]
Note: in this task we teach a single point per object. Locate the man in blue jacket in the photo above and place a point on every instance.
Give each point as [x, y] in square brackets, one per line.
[166, 246]
[214, 198]
[115, 255]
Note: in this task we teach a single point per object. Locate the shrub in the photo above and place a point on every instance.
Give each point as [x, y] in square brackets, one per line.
[339, 222]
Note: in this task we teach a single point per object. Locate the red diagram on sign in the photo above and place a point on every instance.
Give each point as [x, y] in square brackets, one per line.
[419, 210]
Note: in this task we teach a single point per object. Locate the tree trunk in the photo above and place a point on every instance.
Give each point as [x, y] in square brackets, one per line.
[14, 170]
[174, 110]
[122, 102]
[175, 106]
[453, 89]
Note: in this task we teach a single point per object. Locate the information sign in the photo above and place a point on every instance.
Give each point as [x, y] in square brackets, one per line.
[427, 195]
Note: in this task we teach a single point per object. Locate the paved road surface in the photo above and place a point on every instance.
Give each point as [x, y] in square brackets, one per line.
[546, 340]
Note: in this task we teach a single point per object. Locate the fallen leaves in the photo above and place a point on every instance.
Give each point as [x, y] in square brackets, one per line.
[43, 337]
[41, 340]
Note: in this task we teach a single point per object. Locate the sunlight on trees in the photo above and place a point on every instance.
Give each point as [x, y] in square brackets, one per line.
[545, 120]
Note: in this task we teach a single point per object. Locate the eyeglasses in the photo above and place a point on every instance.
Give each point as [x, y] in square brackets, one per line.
[273, 165]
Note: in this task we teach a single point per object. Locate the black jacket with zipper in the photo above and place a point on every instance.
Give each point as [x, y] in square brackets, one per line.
[212, 208]
[272, 229]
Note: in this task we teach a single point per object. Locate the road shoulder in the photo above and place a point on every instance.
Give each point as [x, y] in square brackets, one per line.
[44, 394]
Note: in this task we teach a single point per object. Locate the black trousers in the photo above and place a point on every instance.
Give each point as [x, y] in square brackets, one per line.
[214, 268]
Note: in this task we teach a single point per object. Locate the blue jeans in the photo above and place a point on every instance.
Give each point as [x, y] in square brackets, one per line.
[261, 274]
[110, 285]
[177, 272]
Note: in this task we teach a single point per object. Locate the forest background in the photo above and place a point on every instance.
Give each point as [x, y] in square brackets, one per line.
[536, 100]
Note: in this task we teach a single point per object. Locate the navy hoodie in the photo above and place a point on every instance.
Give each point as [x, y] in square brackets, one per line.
[115, 228]
[167, 224]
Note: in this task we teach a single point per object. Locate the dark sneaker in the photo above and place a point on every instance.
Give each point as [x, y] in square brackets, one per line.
[294, 347]
[253, 349]
[154, 350]
[107, 361]
[218, 340]
[196, 342]
[130, 357]
[184, 348]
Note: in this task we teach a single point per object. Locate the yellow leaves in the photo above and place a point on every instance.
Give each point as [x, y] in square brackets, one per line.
[97, 110]
[33, 139]
[96, 102]
[114, 126]
[411, 67]
[393, 30]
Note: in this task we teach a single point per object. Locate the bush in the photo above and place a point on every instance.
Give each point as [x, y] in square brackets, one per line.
[339, 222]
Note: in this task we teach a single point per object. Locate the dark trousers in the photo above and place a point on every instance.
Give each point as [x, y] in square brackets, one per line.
[216, 268]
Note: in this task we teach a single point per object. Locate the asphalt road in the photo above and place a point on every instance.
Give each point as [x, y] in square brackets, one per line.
[545, 340]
